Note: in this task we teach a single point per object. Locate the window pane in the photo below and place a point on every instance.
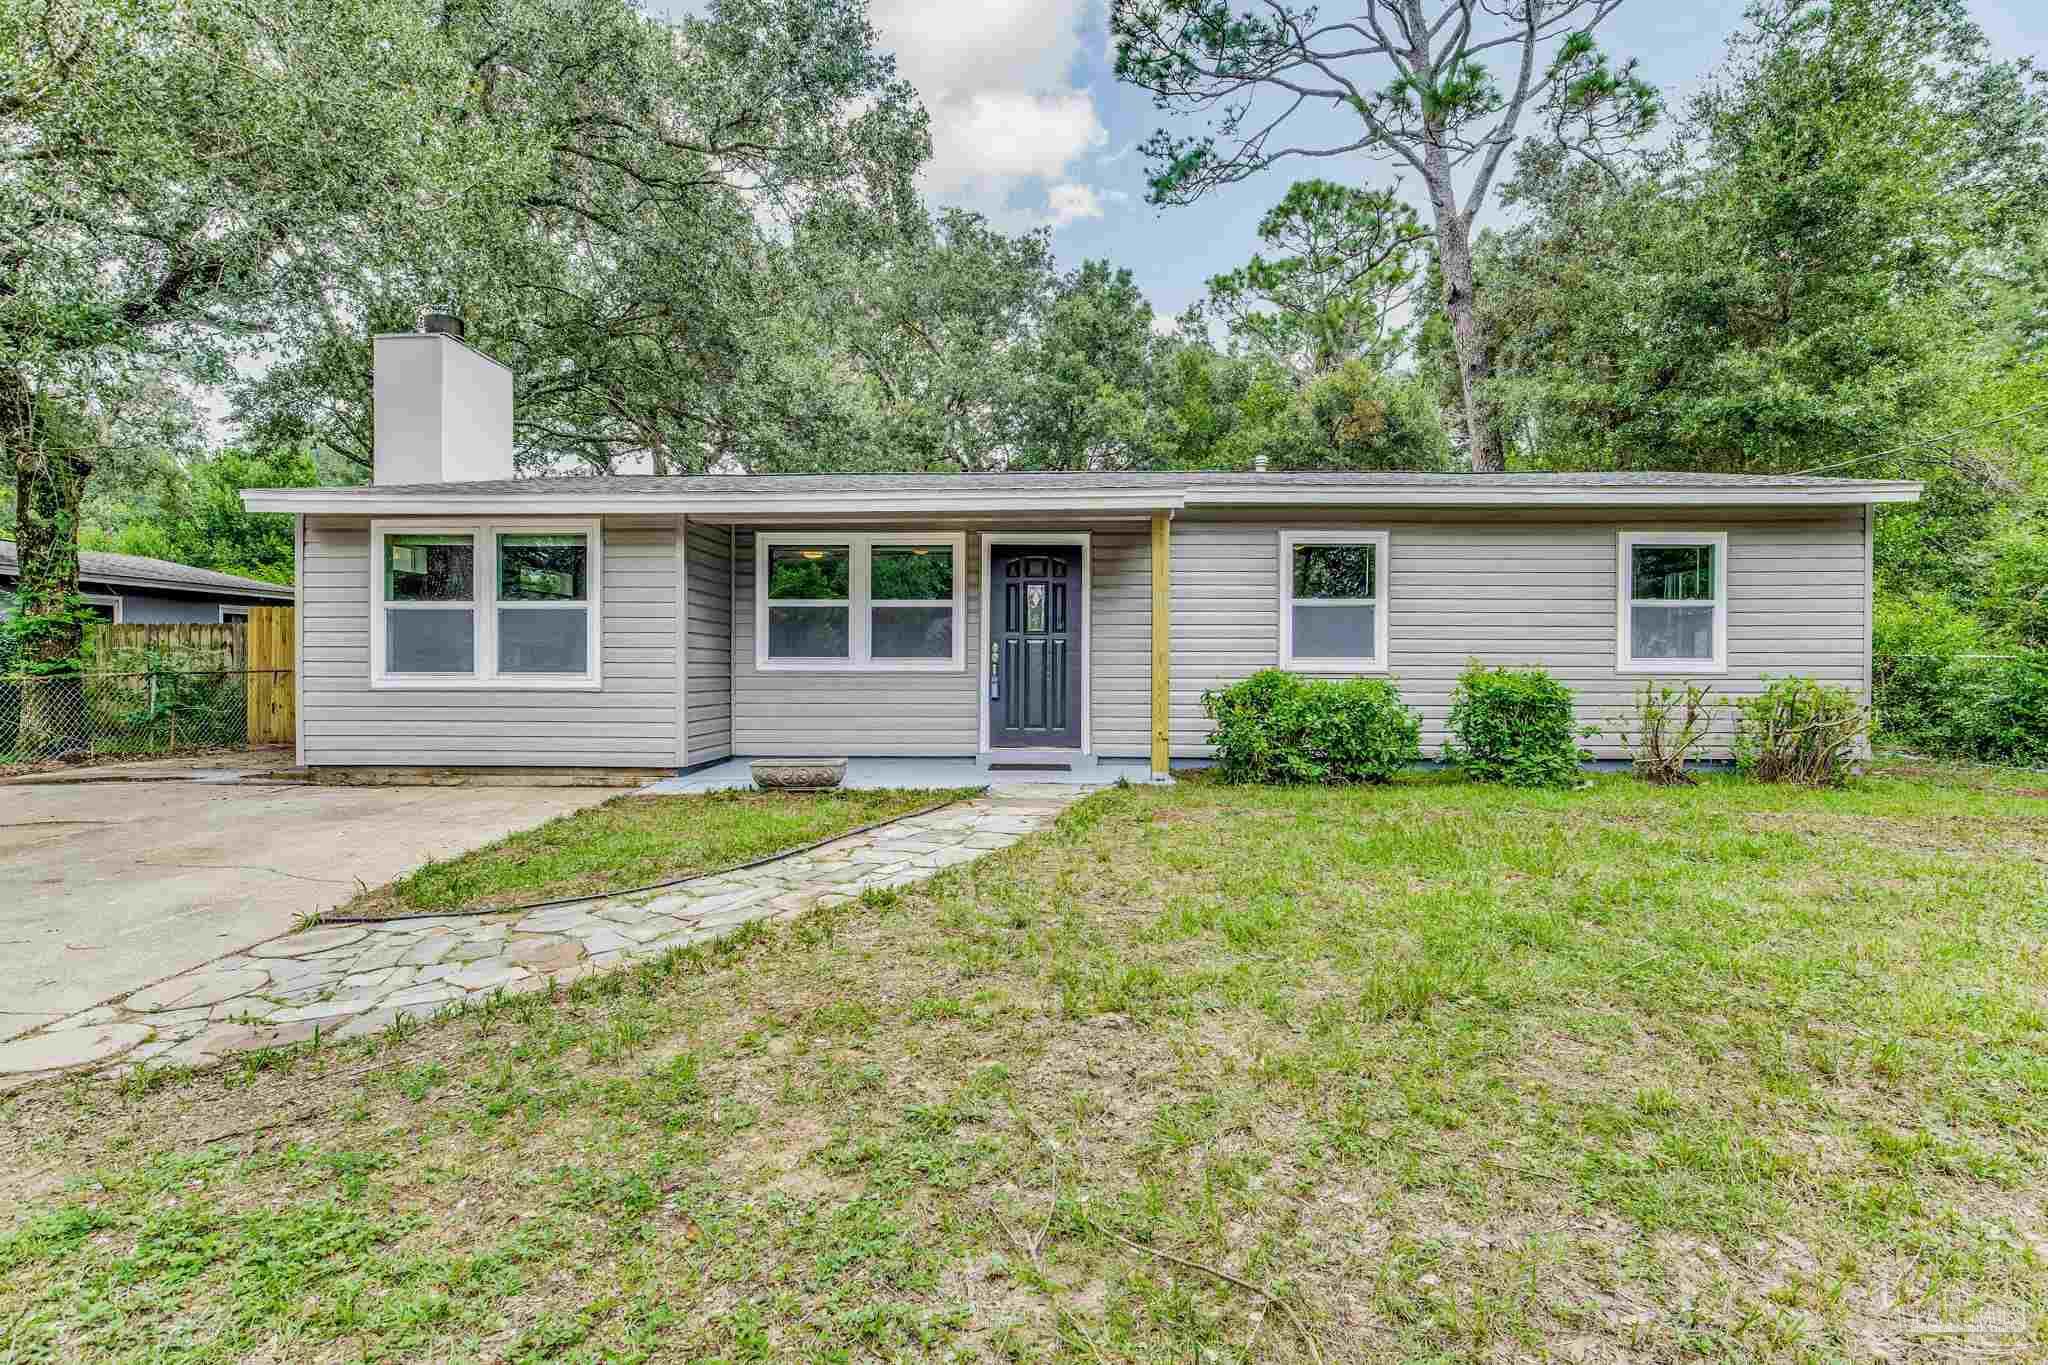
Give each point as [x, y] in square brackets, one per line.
[428, 568]
[434, 640]
[536, 640]
[913, 633]
[911, 573]
[810, 572]
[1336, 571]
[808, 632]
[1671, 632]
[1334, 632]
[542, 568]
[1672, 573]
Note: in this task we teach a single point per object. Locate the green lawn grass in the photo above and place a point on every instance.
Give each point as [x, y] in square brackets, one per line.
[632, 841]
[1431, 1072]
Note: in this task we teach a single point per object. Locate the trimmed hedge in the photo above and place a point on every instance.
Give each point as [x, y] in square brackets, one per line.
[1282, 728]
[1514, 726]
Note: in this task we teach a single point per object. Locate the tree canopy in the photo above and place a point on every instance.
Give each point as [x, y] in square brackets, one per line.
[1347, 265]
[698, 243]
[1444, 90]
[185, 178]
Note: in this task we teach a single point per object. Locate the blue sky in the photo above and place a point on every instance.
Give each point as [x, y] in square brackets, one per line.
[1031, 127]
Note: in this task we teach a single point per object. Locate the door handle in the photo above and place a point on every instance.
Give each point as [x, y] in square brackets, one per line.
[995, 670]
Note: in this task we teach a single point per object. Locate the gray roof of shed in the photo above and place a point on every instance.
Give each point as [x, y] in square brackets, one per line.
[139, 570]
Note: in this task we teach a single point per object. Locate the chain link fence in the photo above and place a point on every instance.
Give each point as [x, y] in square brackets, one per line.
[87, 716]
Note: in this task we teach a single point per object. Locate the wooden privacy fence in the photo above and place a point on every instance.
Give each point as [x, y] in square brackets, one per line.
[261, 650]
[273, 718]
[129, 649]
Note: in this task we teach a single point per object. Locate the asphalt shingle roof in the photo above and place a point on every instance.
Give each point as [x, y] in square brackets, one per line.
[98, 565]
[741, 485]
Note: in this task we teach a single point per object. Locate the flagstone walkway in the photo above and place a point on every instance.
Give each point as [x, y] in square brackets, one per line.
[343, 981]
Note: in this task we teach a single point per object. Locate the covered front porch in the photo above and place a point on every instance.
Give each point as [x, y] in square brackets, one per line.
[1034, 646]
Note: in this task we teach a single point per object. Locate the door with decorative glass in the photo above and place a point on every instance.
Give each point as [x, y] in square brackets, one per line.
[1034, 676]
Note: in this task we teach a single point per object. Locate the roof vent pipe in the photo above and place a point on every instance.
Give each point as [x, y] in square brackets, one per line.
[1258, 464]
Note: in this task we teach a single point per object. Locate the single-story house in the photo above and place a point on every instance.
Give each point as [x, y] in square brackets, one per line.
[132, 589]
[451, 614]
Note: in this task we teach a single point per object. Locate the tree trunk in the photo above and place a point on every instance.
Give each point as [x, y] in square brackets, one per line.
[1475, 355]
[49, 484]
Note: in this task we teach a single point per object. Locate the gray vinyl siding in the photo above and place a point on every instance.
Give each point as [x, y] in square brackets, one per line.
[790, 713]
[1120, 660]
[708, 695]
[630, 722]
[787, 714]
[142, 608]
[157, 609]
[1524, 589]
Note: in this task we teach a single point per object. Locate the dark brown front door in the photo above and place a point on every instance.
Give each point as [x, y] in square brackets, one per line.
[1034, 678]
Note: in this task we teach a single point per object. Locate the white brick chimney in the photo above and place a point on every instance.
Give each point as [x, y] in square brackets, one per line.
[442, 410]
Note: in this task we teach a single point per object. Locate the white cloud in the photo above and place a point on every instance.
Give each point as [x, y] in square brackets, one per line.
[989, 141]
[997, 78]
[996, 44]
[1071, 203]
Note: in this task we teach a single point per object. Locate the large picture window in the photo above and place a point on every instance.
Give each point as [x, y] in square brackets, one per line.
[1333, 601]
[1674, 602]
[880, 602]
[474, 605]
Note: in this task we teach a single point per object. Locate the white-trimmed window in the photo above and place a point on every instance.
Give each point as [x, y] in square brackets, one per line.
[103, 605]
[1333, 601]
[1674, 602]
[234, 616]
[881, 602]
[484, 604]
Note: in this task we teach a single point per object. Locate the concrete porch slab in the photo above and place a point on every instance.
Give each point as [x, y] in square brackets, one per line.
[914, 774]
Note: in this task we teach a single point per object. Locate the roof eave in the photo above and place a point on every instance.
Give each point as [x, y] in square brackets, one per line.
[374, 502]
[179, 587]
[1677, 495]
[371, 502]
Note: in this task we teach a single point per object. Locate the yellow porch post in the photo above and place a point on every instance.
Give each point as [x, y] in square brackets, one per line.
[1162, 654]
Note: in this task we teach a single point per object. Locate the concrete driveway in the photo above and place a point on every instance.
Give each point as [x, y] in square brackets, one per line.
[108, 886]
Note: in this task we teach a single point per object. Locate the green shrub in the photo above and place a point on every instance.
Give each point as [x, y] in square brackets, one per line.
[1930, 681]
[1514, 726]
[1284, 728]
[2011, 724]
[1663, 727]
[1798, 730]
[1944, 686]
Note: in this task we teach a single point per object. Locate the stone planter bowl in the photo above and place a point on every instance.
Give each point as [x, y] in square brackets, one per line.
[799, 774]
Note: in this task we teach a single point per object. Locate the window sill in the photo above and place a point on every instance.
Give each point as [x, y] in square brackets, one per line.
[829, 666]
[402, 684]
[1333, 666]
[1651, 667]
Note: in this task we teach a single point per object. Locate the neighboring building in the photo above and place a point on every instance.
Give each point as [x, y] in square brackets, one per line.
[453, 615]
[129, 589]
